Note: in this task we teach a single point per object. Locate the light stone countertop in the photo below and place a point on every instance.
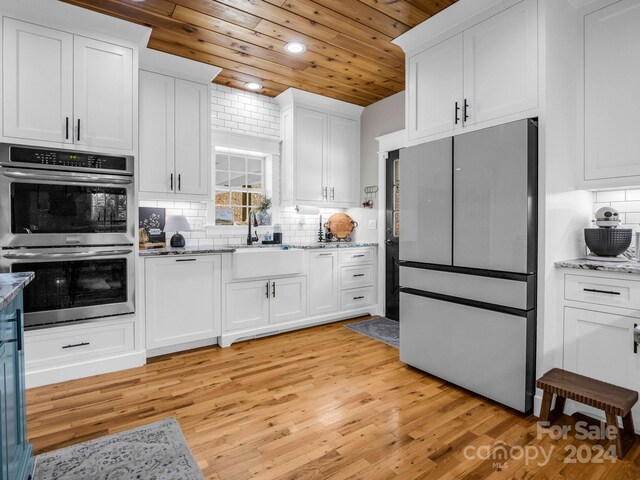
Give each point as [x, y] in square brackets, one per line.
[631, 266]
[157, 252]
[11, 284]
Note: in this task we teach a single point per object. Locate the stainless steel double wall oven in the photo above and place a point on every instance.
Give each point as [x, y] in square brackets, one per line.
[70, 217]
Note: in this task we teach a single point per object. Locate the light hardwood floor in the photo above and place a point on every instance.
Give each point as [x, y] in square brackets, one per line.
[319, 403]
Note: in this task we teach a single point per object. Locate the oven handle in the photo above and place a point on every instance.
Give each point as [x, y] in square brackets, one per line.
[47, 256]
[67, 178]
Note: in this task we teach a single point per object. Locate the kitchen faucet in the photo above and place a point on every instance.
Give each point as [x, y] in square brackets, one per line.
[252, 238]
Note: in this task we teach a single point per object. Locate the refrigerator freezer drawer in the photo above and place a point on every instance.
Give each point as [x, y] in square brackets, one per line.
[497, 291]
[487, 352]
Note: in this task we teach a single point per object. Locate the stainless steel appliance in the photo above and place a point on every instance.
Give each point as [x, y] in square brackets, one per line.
[51, 197]
[73, 284]
[69, 217]
[468, 251]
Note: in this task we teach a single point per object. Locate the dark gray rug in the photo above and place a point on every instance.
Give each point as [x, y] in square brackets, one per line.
[157, 451]
[381, 329]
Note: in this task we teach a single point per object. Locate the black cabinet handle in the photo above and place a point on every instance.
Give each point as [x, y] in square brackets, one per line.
[267, 292]
[19, 329]
[456, 113]
[635, 343]
[179, 181]
[358, 275]
[83, 344]
[273, 293]
[354, 256]
[66, 127]
[171, 182]
[78, 129]
[186, 260]
[358, 298]
[595, 290]
[464, 110]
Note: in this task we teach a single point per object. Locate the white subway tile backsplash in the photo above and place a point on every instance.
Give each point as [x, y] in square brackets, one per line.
[632, 195]
[632, 218]
[165, 204]
[148, 203]
[610, 196]
[626, 206]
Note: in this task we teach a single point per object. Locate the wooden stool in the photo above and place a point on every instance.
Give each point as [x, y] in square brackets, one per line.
[615, 401]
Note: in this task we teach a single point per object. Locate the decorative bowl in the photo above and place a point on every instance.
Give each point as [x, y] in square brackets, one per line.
[607, 242]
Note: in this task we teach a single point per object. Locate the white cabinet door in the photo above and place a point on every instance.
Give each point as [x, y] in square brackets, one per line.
[247, 305]
[103, 94]
[600, 345]
[156, 114]
[434, 87]
[191, 138]
[181, 301]
[288, 299]
[323, 282]
[611, 93]
[311, 155]
[344, 160]
[37, 82]
[501, 64]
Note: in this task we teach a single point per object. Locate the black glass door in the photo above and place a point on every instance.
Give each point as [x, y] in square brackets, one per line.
[73, 284]
[38, 208]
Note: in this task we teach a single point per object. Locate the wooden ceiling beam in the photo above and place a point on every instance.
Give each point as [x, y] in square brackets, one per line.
[227, 78]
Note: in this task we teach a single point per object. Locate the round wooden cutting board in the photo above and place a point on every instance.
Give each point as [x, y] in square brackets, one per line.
[341, 225]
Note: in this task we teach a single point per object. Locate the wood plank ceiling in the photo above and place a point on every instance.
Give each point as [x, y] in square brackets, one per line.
[349, 51]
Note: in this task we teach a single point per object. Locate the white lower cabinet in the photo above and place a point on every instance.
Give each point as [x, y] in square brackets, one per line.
[182, 299]
[600, 313]
[323, 282]
[288, 299]
[259, 303]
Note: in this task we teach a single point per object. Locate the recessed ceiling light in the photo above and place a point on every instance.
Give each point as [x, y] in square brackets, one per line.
[295, 48]
[253, 85]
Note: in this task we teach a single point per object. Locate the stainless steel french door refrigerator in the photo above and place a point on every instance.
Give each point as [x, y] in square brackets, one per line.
[468, 251]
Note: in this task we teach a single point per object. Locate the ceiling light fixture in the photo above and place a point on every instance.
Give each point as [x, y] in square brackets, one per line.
[253, 85]
[295, 47]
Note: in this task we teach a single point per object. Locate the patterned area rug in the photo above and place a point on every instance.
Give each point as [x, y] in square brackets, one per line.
[381, 329]
[157, 451]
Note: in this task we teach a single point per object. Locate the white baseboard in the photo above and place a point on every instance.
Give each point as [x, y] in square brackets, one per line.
[64, 372]
[230, 337]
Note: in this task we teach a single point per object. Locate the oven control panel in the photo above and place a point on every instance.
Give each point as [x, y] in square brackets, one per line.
[63, 158]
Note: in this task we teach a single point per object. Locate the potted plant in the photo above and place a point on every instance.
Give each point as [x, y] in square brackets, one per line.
[264, 217]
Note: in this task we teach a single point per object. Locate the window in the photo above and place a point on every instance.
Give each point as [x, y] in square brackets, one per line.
[239, 187]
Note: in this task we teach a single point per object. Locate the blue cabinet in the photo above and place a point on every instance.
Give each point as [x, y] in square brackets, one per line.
[16, 454]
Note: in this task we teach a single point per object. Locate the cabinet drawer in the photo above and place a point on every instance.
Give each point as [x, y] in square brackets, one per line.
[83, 342]
[356, 276]
[602, 291]
[357, 297]
[350, 256]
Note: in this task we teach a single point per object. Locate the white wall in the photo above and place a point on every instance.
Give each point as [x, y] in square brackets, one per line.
[380, 118]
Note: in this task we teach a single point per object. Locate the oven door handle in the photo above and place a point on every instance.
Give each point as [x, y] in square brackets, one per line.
[67, 178]
[48, 256]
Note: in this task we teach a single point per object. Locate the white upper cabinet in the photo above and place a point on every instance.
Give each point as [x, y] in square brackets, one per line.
[343, 172]
[103, 94]
[310, 145]
[192, 137]
[435, 89]
[320, 150]
[484, 75]
[174, 137]
[156, 116]
[66, 89]
[35, 109]
[501, 64]
[612, 95]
